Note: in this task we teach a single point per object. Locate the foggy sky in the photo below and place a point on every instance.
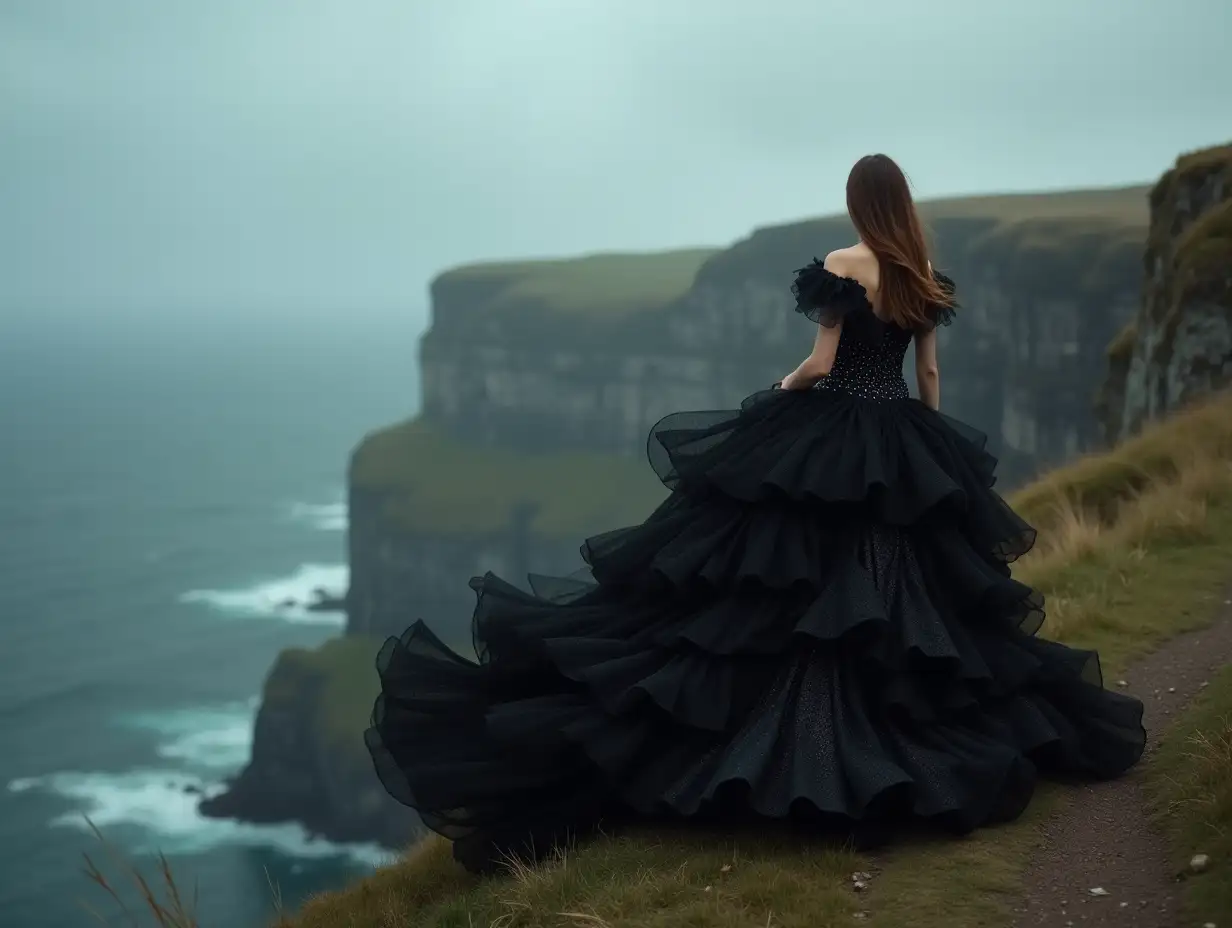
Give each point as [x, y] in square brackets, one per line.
[221, 159]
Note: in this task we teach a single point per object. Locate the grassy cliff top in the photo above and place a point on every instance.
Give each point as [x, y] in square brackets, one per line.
[1205, 250]
[439, 485]
[1114, 210]
[1127, 205]
[602, 285]
[1136, 549]
[616, 285]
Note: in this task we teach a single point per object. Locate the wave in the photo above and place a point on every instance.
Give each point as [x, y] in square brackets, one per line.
[161, 805]
[324, 517]
[207, 738]
[155, 808]
[286, 598]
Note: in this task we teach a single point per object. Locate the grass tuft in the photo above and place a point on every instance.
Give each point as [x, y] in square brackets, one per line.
[162, 900]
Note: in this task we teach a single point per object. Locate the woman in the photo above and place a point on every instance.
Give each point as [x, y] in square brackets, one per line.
[818, 625]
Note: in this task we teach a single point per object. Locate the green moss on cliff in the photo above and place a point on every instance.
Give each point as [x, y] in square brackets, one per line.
[439, 485]
[336, 683]
[1190, 171]
[603, 285]
[1204, 253]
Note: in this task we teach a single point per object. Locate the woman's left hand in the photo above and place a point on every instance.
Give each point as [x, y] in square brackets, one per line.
[793, 381]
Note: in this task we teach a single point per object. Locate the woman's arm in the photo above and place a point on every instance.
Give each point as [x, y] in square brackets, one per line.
[819, 361]
[927, 374]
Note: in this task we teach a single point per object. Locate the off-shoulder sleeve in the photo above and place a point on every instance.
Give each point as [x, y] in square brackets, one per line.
[943, 314]
[825, 297]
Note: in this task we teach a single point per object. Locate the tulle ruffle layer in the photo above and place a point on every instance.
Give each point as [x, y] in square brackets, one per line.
[818, 624]
[896, 462]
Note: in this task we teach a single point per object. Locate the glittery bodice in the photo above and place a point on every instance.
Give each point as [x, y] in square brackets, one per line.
[869, 360]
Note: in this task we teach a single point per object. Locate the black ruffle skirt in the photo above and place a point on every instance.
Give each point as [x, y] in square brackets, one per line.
[819, 624]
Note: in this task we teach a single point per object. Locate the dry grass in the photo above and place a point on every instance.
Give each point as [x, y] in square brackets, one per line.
[1135, 548]
[1174, 506]
[1190, 784]
[1098, 484]
[161, 900]
[161, 903]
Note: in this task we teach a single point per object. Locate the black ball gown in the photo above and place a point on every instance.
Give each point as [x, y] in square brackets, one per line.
[817, 625]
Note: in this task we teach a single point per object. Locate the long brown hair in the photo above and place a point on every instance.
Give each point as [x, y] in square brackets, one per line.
[883, 212]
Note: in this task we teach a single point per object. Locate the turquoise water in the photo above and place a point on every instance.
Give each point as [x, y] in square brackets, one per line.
[160, 493]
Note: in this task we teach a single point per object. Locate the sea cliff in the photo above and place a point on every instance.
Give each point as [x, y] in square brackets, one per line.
[1179, 344]
[1046, 280]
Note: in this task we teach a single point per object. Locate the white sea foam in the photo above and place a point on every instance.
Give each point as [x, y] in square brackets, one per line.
[204, 739]
[325, 517]
[161, 807]
[157, 808]
[285, 598]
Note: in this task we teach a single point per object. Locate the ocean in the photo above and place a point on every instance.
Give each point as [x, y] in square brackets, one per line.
[162, 492]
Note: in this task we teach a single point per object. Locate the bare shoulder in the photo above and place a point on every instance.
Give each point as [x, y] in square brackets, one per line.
[843, 261]
[857, 262]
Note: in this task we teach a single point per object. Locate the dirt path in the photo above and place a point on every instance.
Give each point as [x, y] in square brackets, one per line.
[1104, 839]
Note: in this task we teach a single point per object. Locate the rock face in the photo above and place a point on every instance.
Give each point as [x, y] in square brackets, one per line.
[1179, 345]
[399, 576]
[1042, 294]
